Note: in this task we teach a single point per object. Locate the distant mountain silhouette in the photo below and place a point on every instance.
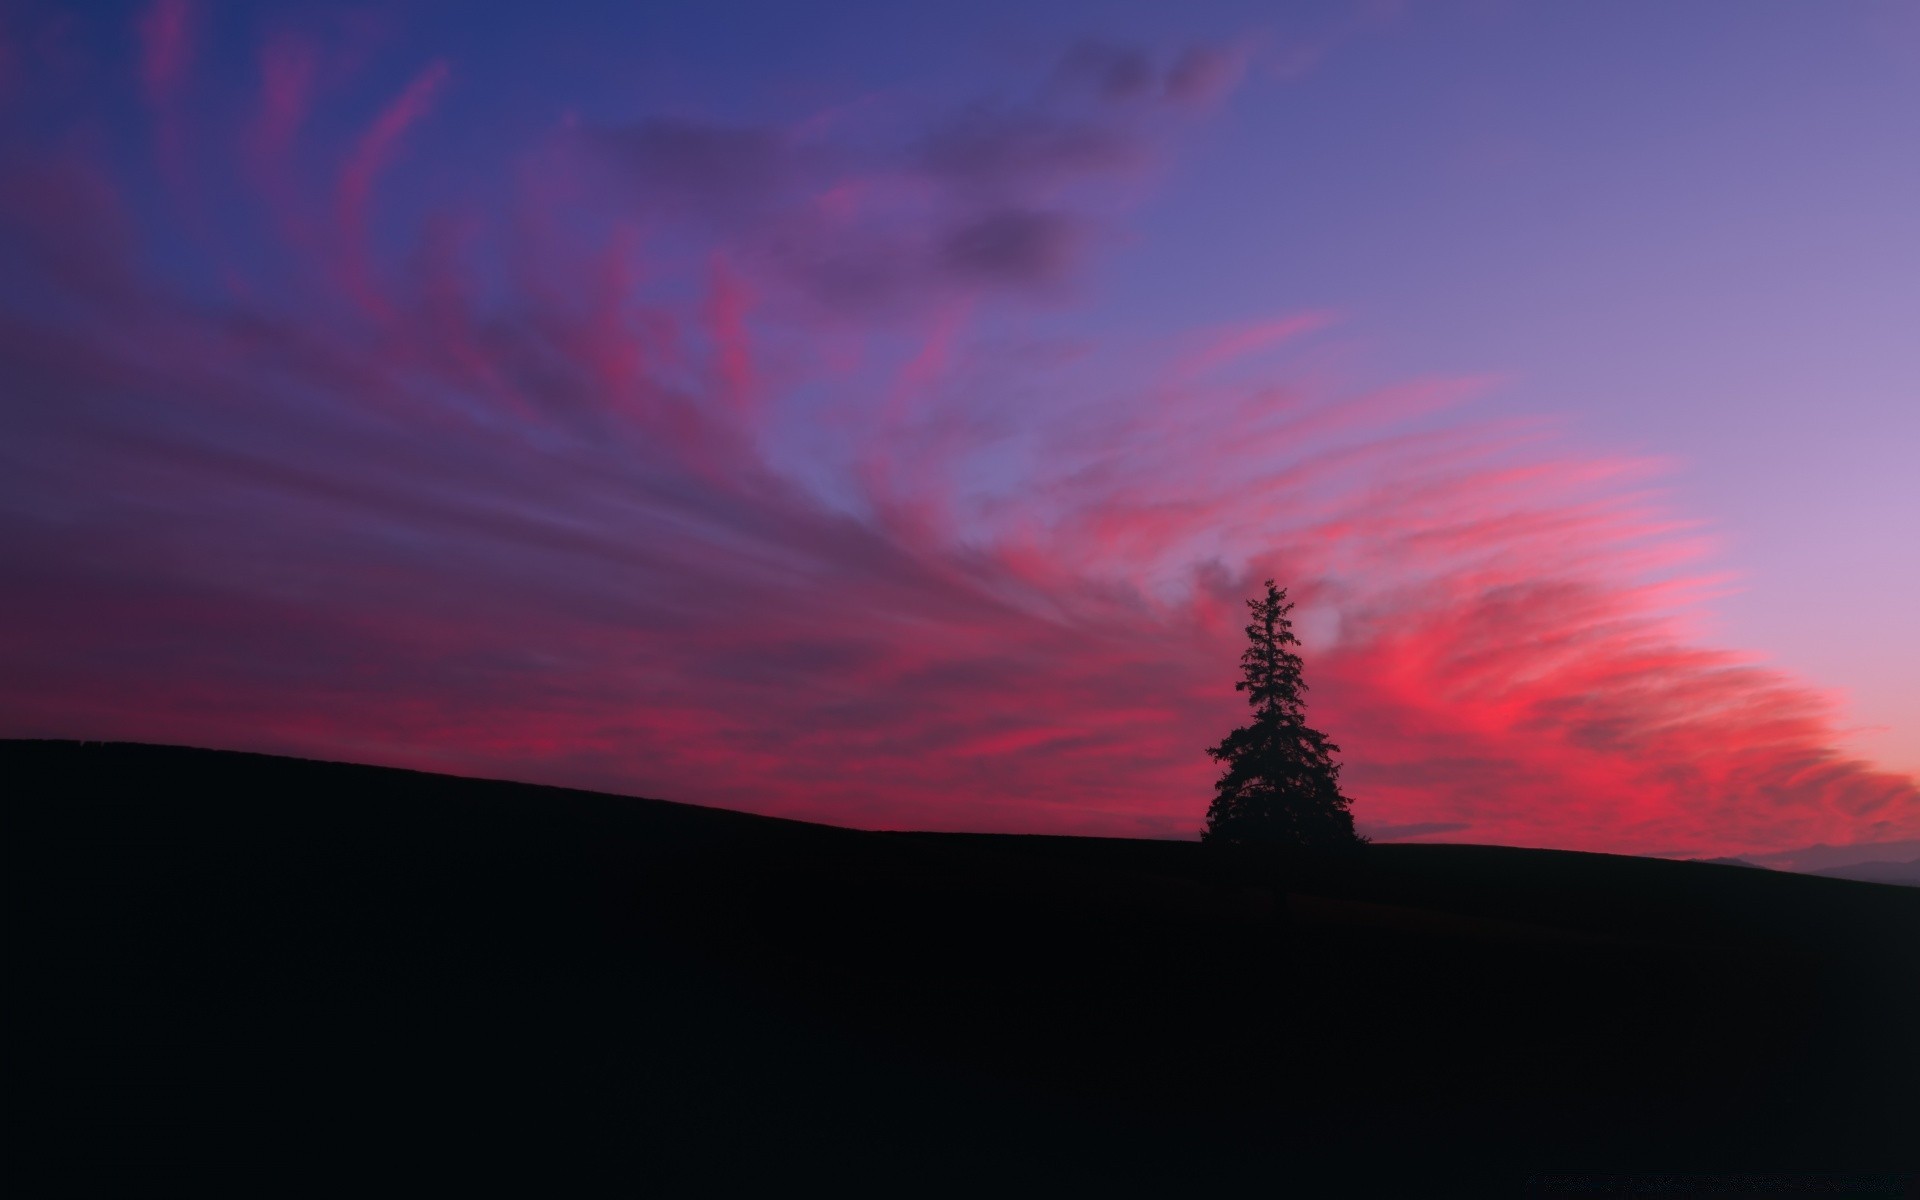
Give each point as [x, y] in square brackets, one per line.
[1823, 857]
[1730, 862]
[1904, 874]
[232, 962]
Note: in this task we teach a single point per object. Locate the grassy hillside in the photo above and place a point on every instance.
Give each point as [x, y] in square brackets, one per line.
[234, 959]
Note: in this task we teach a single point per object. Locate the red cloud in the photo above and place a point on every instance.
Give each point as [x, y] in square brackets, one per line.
[624, 517]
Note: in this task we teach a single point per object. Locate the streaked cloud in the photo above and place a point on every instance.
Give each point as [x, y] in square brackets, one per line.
[702, 470]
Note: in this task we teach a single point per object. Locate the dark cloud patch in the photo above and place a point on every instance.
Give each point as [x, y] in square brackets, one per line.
[1110, 71]
[701, 167]
[1005, 151]
[859, 272]
[1202, 75]
[1118, 73]
[886, 213]
[1018, 247]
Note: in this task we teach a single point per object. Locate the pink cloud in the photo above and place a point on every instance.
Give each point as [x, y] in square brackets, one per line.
[1231, 345]
[289, 67]
[728, 303]
[632, 529]
[166, 46]
[374, 151]
[166, 56]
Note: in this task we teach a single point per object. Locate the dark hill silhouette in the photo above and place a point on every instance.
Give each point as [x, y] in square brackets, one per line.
[234, 960]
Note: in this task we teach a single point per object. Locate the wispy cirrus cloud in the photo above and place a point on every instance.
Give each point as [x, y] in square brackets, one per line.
[886, 209]
[702, 470]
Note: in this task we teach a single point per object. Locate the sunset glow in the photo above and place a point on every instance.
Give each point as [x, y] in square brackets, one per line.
[832, 451]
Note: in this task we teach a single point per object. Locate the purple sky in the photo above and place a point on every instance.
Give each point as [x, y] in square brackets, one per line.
[876, 412]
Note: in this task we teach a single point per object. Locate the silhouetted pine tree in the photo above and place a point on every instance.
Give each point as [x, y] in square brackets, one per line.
[1281, 785]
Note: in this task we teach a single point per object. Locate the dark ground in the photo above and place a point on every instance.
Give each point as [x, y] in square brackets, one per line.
[236, 964]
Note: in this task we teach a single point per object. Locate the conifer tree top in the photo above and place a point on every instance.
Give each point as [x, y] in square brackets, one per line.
[1270, 672]
[1280, 783]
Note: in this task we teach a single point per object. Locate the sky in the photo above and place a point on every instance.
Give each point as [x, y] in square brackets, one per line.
[878, 413]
